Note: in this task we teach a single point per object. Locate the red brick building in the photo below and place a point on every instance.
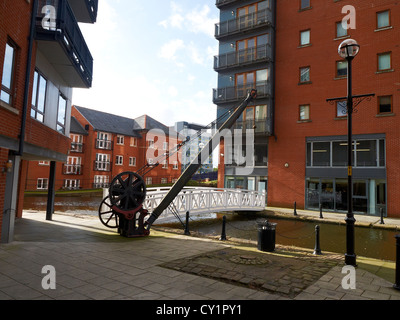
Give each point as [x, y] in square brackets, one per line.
[104, 145]
[307, 145]
[41, 60]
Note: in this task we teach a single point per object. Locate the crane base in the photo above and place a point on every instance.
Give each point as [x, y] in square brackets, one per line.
[133, 228]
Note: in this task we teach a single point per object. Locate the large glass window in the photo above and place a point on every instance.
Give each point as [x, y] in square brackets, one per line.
[321, 154]
[38, 96]
[8, 74]
[365, 153]
[383, 19]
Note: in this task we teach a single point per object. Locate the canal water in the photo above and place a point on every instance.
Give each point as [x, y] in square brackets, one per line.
[370, 242]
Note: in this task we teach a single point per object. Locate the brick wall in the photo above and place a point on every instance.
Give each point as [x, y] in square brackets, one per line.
[287, 185]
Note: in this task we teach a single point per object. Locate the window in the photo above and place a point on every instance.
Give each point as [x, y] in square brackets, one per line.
[149, 180]
[62, 110]
[175, 165]
[384, 61]
[340, 31]
[304, 74]
[120, 140]
[305, 4]
[44, 163]
[119, 160]
[76, 142]
[164, 180]
[151, 144]
[102, 162]
[103, 141]
[6, 93]
[165, 164]
[38, 96]
[42, 184]
[133, 142]
[341, 69]
[132, 161]
[304, 113]
[165, 145]
[341, 109]
[71, 184]
[385, 104]
[101, 182]
[365, 153]
[383, 19]
[305, 37]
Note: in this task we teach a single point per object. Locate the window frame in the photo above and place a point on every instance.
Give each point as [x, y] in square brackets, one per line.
[337, 36]
[390, 57]
[309, 38]
[304, 8]
[60, 125]
[391, 104]
[389, 16]
[120, 140]
[3, 88]
[309, 109]
[337, 75]
[119, 160]
[34, 107]
[309, 75]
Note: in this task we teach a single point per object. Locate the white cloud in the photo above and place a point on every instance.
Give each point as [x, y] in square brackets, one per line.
[168, 51]
[196, 21]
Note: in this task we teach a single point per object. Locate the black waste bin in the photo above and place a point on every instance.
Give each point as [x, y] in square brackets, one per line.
[266, 236]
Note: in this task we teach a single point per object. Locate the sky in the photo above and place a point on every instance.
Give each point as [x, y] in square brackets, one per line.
[153, 57]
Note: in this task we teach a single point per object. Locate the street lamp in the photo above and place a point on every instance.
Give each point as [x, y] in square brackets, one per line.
[348, 49]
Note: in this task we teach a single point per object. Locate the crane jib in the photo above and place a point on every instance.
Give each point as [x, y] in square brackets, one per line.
[196, 163]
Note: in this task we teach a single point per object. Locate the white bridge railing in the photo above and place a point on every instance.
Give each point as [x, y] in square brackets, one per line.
[206, 200]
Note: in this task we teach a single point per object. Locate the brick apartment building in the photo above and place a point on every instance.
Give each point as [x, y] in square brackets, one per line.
[43, 56]
[104, 145]
[306, 143]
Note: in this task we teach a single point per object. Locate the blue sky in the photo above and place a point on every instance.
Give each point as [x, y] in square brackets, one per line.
[153, 57]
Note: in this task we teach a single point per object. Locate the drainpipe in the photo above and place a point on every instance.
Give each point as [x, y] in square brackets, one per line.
[273, 70]
[27, 79]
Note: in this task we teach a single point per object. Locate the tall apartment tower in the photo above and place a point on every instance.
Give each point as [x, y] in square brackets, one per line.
[245, 61]
[307, 138]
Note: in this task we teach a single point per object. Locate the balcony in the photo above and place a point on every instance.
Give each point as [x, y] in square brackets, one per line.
[76, 147]
[104, 144]
[261, 126]
[235, 93]
[231, 60]
[102, 166]
[222, 3]
[85, 10]
[72, 169]
[61, 42]
[251, 21]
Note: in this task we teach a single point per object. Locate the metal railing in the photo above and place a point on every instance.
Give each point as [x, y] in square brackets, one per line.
[104, 144]
[102, 166]
[243, 23]
[243, 57]
[76, 147]
[64, 28]
[221, 3]
[72, 169]
[227, 94]
[206, 200]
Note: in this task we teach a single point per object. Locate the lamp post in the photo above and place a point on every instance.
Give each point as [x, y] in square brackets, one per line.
[348, 49]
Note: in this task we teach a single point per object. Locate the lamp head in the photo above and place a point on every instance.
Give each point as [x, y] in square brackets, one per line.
[348, 49]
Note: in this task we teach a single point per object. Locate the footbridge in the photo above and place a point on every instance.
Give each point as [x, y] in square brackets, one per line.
[204, 201]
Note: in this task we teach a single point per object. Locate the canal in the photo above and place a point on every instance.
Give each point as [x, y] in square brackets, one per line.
[370, 242]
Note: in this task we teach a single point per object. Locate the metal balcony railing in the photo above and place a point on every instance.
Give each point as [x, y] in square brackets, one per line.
[243, 23]
[102, 166]
[239, 58]
[104, 144]
[221, 3]
[76, 147]
[99, 185]
[228, 94]
[55, 22]
[85, 10]
[72, 169]
[259, 126]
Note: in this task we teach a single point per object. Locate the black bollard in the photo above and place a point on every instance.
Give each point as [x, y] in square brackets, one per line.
[223, 234]
[317, 249]
[397, 284]
[381, 211]
[320, 212]
[295, 211]
[187, 232]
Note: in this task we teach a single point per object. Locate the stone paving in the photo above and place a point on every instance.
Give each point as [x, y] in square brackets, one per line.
[92, 262]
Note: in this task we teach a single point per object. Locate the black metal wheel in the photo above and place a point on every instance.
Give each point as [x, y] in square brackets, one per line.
[107, 216]
[127, 191]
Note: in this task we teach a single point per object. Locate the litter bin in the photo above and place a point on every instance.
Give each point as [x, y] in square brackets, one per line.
[266, 236]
